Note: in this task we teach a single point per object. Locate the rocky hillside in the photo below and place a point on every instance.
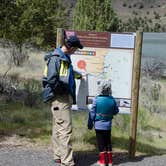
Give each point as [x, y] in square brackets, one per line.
[155, 10]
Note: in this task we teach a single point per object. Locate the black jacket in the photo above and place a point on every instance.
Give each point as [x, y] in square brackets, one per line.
[58, 77]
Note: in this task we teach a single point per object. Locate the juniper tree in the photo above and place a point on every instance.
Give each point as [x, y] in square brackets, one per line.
[95, 15]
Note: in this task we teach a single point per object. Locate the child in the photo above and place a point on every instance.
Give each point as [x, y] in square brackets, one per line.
[103, 109]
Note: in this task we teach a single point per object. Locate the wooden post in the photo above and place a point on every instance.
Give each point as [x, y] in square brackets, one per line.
[135, 93]
[60, 37]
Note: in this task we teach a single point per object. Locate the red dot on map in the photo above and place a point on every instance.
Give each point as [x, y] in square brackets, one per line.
[81, 64]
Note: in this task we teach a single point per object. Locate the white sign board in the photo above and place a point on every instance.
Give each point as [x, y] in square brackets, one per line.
[122, 41]
[98, 63]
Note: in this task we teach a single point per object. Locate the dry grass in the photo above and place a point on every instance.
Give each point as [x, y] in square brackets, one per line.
[32, 68]
[151, 127]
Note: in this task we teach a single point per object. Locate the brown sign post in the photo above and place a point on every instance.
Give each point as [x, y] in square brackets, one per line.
[60, 37]
[135, 93]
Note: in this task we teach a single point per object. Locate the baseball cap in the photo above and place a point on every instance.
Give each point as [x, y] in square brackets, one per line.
[73, 41]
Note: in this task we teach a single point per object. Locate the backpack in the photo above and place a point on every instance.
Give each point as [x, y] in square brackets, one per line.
[47, 89]
[59, 81]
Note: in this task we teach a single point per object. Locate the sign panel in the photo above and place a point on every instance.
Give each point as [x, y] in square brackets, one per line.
[92, 39]
[122, 40]
[99, 61]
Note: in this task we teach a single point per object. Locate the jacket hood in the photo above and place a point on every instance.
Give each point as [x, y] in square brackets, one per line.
[58, 53]
[50, 54]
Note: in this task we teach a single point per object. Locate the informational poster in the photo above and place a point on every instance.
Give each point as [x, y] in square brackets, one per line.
[104, 56]
[122, 41]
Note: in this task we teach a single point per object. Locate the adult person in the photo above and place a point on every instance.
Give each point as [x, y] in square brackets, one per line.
[59, 87]
[103, 109]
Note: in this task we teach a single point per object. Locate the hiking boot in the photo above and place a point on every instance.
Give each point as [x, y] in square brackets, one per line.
[109, 157]
[102, 159]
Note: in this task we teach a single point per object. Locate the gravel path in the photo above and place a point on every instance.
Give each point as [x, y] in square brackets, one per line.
[19, 156]
[16, 151]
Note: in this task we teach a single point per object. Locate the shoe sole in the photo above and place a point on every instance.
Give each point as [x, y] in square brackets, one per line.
[101, 164]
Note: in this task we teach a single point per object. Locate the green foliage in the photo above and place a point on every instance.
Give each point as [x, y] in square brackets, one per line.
[35, 21]
[11, 22]
[32, 21]
[20, 120]
[19, 90]
[36, 123]
[142, 119]
[95, 15]
[123, 122]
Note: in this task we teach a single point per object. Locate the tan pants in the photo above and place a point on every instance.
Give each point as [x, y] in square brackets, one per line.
[62, 130]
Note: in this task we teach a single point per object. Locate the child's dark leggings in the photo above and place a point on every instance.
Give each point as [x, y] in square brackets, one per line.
[104, 140]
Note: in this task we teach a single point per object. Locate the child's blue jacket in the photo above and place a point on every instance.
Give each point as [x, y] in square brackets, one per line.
[102, 112]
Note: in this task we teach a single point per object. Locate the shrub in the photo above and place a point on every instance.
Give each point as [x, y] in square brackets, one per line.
[33, 90]
[142, 119]
[124, 5]
[135, 13]
[135, 5]
[141, 6]
[129, 6]
[157, 16]
[122, 121]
